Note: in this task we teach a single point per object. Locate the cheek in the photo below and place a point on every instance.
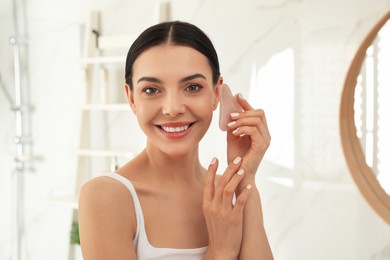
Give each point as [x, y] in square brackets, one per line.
[144, 111]
[204, 107]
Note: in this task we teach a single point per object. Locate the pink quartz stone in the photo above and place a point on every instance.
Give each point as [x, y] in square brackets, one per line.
[228, 105]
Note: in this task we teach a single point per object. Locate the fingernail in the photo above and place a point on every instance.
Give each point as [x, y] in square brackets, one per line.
[240, 172]
[235, 131]
[248, 187]
[237, 160]
[232, 123]
[213, 161]
[234, 114]
[240, 96]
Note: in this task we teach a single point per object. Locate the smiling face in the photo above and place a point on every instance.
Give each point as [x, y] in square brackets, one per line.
[173, 97]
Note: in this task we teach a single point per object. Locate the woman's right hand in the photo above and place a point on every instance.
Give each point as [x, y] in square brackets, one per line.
[224, 219]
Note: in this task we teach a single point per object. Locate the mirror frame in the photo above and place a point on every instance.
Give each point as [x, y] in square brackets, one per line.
[362, 174]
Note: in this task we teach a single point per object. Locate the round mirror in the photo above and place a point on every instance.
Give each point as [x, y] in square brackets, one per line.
[365, 120]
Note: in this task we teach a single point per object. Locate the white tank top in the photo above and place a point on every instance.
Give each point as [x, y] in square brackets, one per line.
[144, 250]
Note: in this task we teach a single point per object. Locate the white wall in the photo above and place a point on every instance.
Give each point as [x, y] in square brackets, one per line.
[318, 214]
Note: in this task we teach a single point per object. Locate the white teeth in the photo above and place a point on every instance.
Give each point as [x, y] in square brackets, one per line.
[175, 129]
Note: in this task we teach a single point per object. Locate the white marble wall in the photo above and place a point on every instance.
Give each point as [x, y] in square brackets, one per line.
[289, 57]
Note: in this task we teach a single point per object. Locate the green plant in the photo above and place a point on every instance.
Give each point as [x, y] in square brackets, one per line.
[74, 234]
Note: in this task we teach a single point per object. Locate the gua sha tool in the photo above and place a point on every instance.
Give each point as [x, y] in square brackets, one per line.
[228, 105]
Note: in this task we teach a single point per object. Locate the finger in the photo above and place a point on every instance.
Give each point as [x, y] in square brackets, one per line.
[252, 123]
[242, 199]
[246, 121]
[227, 175]
[264, 119]
[230, 137]
[208, 190]
[244, 103]
[231, 187]
[250, 131]
[252, 118]
[259, 144]
[251, 113]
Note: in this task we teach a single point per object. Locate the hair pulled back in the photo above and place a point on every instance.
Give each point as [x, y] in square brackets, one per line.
[175, 33]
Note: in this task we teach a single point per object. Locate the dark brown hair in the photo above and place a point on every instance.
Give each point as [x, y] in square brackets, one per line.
[175, 33]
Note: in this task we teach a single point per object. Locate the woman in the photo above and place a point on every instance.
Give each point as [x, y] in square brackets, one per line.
[163, 204]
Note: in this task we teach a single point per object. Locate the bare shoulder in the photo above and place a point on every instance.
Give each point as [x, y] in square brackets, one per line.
[102, 189]
[107, 219]
[107, 197]
[104, 193]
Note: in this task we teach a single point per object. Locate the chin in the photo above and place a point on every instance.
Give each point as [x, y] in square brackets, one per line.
[178, 150]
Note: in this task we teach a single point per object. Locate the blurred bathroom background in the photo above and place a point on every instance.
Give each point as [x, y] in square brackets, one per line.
[289, 57]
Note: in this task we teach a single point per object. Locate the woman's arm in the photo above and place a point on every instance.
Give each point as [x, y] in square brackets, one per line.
[106, 226]
[249, 137]
[255, 243]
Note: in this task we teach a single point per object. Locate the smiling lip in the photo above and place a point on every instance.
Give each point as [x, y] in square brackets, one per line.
[175, 130]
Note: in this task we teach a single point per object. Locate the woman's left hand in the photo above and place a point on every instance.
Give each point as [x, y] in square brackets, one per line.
[248, 137]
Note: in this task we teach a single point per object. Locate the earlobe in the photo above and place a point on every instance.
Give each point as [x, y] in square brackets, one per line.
[130, 98]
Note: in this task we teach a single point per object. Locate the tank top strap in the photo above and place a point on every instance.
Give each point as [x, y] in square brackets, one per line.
[137, 205]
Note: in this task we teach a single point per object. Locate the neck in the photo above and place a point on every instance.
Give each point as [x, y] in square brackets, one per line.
[184, 168]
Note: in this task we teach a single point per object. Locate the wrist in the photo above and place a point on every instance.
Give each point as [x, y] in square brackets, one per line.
[214, 253]
[218, 255]
[247, 180]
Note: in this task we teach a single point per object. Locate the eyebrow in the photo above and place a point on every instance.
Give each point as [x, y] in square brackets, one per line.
[187, 78]
[149, 79]
[191, 77]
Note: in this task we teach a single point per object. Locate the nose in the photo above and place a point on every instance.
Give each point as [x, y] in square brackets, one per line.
[173, 105]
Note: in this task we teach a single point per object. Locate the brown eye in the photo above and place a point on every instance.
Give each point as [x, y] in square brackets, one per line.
[193, 88]
[151, 90]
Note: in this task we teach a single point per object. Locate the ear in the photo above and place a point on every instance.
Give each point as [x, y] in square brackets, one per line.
[130, 98]
[216, 93]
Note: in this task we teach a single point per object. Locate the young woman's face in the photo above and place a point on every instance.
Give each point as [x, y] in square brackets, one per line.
[173, 97]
